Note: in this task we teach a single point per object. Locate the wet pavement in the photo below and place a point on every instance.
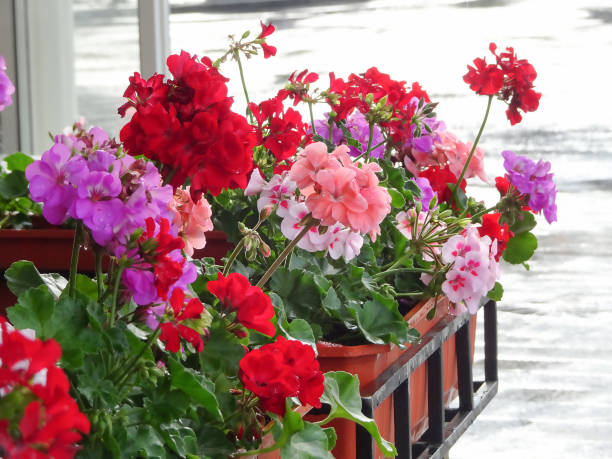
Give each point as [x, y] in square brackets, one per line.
[555, 321]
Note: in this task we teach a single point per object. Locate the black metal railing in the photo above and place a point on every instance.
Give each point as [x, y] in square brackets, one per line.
[446, 425]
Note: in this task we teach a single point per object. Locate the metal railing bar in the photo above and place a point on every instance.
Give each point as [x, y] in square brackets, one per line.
[464, 367]
[435, 397]
[401, 420]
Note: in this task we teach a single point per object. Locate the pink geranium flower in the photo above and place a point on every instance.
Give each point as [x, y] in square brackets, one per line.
[192, 219]
[456, 152]
[473, 272]
[310, 161]
[344, 192]
[313, 241]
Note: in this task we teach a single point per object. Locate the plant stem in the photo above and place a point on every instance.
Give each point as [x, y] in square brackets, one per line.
[244, 88]
[312, 117]
[99, 272]
[131, 364]
[74, 260]
[115, 291]
[409, 294]
[284, 254]
[486, 211]
[469, 158]
[401, 270]
[366, 153]
[232, 257]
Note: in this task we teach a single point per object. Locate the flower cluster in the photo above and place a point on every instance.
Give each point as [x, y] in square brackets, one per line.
[156, 266]
[280, 131]
[279, 194]
[6, 86]
[183, 314]
[32, 385]
[338, 190]
[85, 176]
[285, 368]
[187, 125]
[474, 269]
[511, 79]
[252, 306]
[533, 180]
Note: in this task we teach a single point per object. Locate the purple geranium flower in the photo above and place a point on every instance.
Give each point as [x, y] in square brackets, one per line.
[359, 127]
[141, 283]
[53, 179]
[6, 86]
[533, 179]
[427, 192]
[98, 206]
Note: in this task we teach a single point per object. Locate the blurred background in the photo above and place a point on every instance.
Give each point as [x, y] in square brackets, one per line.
[555, 320]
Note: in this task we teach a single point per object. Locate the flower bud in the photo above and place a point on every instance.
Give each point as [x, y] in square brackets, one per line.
[266, 212]
[264, 249]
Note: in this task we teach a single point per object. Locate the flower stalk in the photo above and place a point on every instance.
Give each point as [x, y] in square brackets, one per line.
[74, 260]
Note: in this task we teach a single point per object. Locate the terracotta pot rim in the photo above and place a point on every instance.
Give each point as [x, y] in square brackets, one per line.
[52, 233]
[416, 314]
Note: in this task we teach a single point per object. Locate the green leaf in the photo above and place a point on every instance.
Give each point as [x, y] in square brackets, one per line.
[23, 275]
[13, 185]
[526, 222]
[300, 330]
[520, 248]
[181, 439]
[223, 351]
[33, 310]
[381, 323]
[311, 442]
[299, 292]
[87, 286]
[18, 162]
[193, 384]
[332, 437]
[397, 199]
[342, 394]
[496, 292]
[143, 441]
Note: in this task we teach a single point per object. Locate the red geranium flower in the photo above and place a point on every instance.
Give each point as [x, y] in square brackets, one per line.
[298, 86]
[483, 78]
[171, 332]
[283, 369]
[51, 424]
[186, 123]
[253, 307]
[439, 178]
[511, 79]
[491, 227]
[167, 270]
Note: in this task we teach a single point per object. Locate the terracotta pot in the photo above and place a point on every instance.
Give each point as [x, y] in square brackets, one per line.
[370, 360]
[50, 250]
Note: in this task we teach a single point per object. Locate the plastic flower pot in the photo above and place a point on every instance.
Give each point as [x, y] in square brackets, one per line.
[370, 360]
[49, 249]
